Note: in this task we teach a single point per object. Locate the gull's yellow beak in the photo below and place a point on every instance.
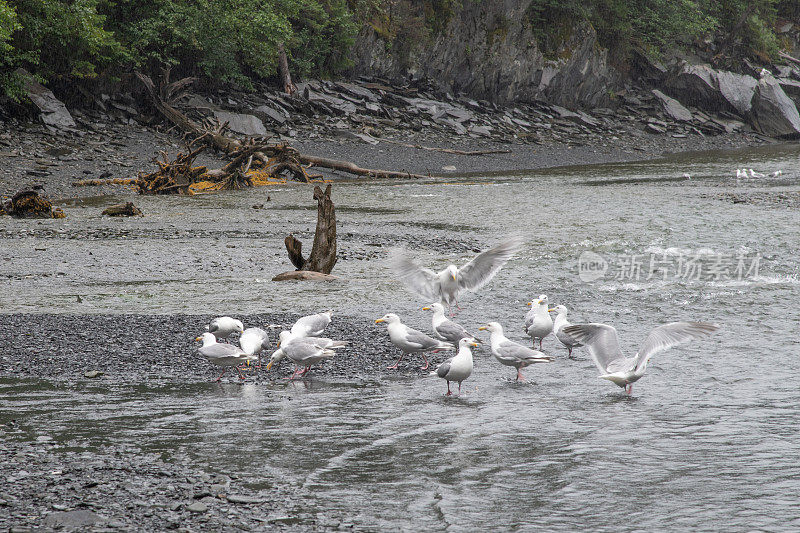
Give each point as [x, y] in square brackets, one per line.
[551, 309]
[530, 303]
[540, 302]
[453, 276]
[426, 308]
[482, 328]
[379, 321]
[279, 344]
[269, 365]
[475, 344]
[199, 338]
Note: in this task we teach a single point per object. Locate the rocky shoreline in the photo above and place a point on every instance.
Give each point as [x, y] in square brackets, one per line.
[370, 123]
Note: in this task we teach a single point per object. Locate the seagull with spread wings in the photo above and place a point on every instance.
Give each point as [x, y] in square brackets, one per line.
[446, 285]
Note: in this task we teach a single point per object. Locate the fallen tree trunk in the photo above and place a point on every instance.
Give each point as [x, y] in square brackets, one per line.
[323, 251]
[443, 150]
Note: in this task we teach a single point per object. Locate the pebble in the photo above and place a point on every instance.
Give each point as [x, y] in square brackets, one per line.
[197, 507]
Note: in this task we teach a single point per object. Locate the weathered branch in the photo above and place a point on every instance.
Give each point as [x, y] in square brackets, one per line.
[445, 150]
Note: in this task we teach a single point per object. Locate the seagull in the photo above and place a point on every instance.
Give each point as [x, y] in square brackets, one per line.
[558, 326]
[445, 329]
[446, 285]
[754, 174]
[512, 353]
[305, 352]
[741, 173]
[223, 355]
[410, 340]
[538, 323]
[253, 341]
[603, 344]
[777, 173]
[459, 367]
[223, 326]
[286, 338]
[311, 325]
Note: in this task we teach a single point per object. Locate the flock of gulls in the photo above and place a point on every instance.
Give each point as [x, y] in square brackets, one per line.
[304, 346]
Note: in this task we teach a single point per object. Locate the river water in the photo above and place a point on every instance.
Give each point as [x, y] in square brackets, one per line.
[707, 441]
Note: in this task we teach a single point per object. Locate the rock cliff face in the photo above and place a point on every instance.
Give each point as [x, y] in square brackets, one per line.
[488, 51]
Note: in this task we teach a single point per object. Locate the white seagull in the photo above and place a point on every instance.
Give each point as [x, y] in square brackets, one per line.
[410, 340]
[446, 285]
[223, 326]
[253, 341]
[538, 323]
[311, 325]
[223, 355]
[459, 367]
[286, 338]
[512, 353]
[603, 344]
[559, 324]
[445, 329]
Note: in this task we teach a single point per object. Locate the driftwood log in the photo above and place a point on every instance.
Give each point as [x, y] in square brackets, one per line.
[28, 204]
[229, 145]
[323, 251]
[123, 210]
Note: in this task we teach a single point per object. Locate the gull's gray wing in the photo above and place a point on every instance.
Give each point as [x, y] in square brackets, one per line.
[514, 351]
[213, 325]
[322, 342]
[422, 281]
[444, 368]
[480, 270]
[419, 339]
[603, 344]
[217, 351]
[669, 335]
[451, 331]
[299, 352]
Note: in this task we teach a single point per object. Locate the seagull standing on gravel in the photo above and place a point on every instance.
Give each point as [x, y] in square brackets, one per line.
[446, 285]
[459, 367]
[410, 340]
[305, 352]
[311, 325]
[223, 355]
[538, 323]
[603, 344]
[512, 353]
[287, 338]
[559, 324]
[445, 329]
[253, 341]
[223, 326]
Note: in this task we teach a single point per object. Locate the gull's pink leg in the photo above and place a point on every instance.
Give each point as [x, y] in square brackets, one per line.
[459, 388]
[629, 388]
[223, 373]
[520, 377]
[296, 370]
[427, 364]
[448, 390]
[394, 366]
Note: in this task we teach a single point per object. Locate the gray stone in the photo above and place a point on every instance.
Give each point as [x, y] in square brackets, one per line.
[197, 507]
[241, 123]
[92, 374]
[71, 519]
[267, 113]
[737, 90]
[54, 112]
[773, 112]
[485, 131]
[236, 498]
[791, 88]
[654, 128]
[672, 108]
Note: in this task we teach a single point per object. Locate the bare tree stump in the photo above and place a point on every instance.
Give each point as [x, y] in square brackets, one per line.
[323, 251]
[286, 77]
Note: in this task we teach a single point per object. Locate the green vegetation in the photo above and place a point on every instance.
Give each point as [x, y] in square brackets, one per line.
[236, 41]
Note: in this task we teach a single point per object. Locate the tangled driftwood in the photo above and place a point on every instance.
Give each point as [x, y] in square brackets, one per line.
[28, 204]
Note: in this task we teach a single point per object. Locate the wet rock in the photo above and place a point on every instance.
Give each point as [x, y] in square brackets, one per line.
[773, 112]
[197, 507]
[241, 123]
[711, 90]
[91, 374]
[737, 90]
[71, 519]
[672, 108]
[54, 112]
[236, 498]
[123, 210]
[791, 88]
[304, 275]
[267, 113]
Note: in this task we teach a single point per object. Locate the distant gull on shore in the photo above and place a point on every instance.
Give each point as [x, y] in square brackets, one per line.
[603, 344]
[224, 355]
[410, 340]
[511, 353]
[538, 323]
[446, 285]
[223, 326]
[459, 367]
